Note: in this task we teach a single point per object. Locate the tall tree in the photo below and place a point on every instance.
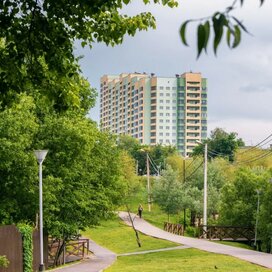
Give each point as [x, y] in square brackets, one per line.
[221, 144]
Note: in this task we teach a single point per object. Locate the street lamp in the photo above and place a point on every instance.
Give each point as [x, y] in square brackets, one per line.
[257, 217]
[205, 197]
[40, 156]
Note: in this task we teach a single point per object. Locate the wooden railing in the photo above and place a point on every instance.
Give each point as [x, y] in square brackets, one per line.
[61, 252]
[174, 228]
[227, 233]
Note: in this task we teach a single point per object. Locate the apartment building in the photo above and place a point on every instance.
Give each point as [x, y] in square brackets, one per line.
[156, 110]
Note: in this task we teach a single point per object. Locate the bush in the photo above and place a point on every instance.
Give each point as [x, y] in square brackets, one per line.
[26, 232]
[192, 231]
[4, 262]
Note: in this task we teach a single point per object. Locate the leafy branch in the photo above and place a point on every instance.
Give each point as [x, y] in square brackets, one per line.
[220, 22]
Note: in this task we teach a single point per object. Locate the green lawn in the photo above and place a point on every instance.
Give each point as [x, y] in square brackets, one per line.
[184, 260]
[120, 238]
[235, 244]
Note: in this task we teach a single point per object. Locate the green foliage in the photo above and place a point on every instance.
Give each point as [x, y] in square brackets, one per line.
[4, 262]
[36, 46]
[157, 153]
[192, 231]
[220, 143]
[18, 169]
[80, 186]
[239, 198]
[169, 193]
[221, 22]
[265, 218]
[26, 232]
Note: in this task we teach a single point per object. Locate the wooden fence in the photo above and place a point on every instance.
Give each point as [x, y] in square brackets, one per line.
[228, 233]
[61, 252]
[11, 246]
[174, 228]
[56, 252]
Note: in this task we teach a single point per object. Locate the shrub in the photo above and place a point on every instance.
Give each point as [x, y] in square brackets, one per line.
[26, 232]
[4, 262]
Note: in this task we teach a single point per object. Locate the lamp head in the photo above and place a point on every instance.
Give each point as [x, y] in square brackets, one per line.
[40, 155]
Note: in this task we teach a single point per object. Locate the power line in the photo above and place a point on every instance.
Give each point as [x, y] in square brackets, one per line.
[253, 147]
[252, 159]
[195, 170]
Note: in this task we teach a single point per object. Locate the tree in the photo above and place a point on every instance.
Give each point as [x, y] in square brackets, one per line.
[168, 192]
[18, 169]
[220, 143]
[239, 198]
[79, 187]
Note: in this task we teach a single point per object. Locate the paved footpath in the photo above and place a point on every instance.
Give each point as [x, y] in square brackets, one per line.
[260, 258]
[102, 259]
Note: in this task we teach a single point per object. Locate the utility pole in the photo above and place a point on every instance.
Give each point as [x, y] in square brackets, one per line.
[205, 191]
[184, 210]
[148, 182]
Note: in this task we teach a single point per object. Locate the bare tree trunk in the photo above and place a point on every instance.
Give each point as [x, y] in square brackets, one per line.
[132, 223]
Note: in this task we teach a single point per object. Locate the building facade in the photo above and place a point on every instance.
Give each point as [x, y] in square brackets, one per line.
[156, 110]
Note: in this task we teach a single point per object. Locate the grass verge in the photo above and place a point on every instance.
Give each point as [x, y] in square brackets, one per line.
[183, 260]
[120, 238]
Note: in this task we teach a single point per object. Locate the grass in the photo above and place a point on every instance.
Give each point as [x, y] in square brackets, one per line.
[120, 238]
[156, 216]
[235, 244]
[182, 260]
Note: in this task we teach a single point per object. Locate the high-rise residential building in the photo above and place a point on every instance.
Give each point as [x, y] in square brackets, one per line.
[156, 110]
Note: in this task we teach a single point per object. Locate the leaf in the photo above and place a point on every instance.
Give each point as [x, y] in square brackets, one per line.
[237, 36]
[240, 24]
[228, 37]
[241, 2]
[201, 39]
[262, 1]
[207, 34]
[182, 32]
[218, 25]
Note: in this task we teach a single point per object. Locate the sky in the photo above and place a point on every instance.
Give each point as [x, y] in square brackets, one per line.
[239, 80]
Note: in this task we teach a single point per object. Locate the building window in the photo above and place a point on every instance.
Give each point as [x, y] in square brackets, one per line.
[161, 127]
[161, 107]
[161, 114]
[161, 134]
[167, 94]
[161, 94]
[161, 101]
[168, 88]
[161, 87]
[161, 120]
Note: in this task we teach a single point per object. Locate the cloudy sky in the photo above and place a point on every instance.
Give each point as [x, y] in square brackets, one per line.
[240, 80]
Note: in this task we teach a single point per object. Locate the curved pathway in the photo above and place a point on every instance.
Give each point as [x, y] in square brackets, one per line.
[101, 259]
[260, 258]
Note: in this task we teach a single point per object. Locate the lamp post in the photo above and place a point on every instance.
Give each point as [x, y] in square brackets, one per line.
[40, 156]
[257, 217]
[205, 189]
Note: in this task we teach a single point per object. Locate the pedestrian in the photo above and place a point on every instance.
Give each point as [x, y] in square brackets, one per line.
[140, 210]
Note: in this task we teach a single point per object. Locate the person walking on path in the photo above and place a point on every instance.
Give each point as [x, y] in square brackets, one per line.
[140, 210]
